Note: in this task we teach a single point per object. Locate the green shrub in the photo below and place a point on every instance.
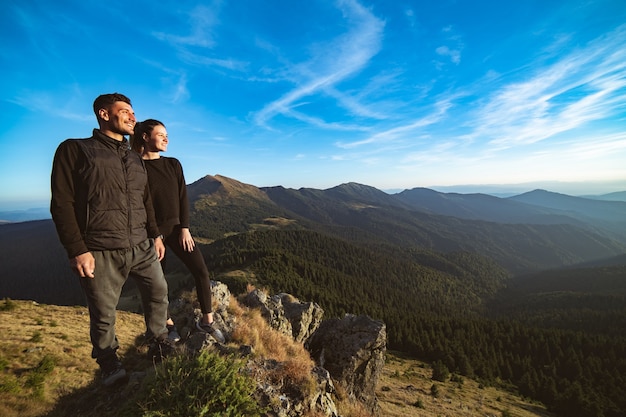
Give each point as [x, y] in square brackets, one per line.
[38, 375]
[206, 385]
[440, 371]
[8, 305]
[36, 337]
[457, 378]
[9, 384]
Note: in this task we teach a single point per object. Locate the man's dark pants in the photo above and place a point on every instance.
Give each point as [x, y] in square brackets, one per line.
[103, 292]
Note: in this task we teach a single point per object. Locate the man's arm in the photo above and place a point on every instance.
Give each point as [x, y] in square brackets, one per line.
[62, 208]
[63, 200]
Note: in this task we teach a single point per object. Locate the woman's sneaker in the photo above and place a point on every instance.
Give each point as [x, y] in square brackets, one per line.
[172, 333]
[210, 329]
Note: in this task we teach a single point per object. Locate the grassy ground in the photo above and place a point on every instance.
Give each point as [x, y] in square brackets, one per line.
[32, 333]
[46, 370]
[405, 389]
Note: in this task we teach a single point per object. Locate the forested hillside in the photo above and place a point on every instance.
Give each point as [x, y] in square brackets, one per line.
[383, 281]
[590, 299]
[435, 307]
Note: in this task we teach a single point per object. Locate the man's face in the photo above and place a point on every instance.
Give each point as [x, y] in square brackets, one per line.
[119, 118]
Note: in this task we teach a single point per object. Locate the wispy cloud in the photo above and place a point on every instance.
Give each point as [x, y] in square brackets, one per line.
[202, 20]
[452, 52]
[174, 81]
[321, 123]
[48, 103]
[601, 147]
[337, 61]
[206, 61]
[406, 130]
[584, 86]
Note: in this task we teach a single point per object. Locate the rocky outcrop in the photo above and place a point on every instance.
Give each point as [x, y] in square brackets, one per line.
[349, 351]
[353, 350]
[272, 310]
[286, 398]
[305, 318]
[287, 314]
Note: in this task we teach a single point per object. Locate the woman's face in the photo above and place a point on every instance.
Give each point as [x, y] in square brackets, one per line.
[157, 142]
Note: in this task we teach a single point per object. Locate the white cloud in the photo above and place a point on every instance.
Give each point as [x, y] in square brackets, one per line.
[48, 103]
[453, 54]
[405, 130]
[585, 86]
[202, 20]
[338, 60]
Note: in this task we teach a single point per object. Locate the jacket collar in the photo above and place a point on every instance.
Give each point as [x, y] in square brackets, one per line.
[109, 141]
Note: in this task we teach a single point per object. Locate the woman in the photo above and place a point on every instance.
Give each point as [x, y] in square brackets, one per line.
[171, 207]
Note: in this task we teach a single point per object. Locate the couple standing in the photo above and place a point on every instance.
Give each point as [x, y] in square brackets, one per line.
[115, 210]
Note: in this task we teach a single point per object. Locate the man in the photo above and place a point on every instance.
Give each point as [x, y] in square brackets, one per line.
[103, 213]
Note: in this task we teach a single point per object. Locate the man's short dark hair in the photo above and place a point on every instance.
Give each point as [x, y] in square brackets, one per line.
[105, 101]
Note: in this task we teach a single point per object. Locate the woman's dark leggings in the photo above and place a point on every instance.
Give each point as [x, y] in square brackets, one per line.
[195, 263]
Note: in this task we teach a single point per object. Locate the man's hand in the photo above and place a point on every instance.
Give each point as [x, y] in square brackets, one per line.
[84, 265]
[159, 246]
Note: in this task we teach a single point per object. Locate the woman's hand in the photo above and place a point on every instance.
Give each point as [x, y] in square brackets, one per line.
[186, 241]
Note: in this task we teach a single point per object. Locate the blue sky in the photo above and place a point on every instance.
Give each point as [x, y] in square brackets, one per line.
[392, 94]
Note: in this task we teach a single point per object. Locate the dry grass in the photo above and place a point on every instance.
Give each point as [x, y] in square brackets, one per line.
[347, 407]
[404, 390]
[253, 330]
[31, 331]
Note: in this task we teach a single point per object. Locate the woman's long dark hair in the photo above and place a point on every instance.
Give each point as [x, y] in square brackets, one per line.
[136, 139]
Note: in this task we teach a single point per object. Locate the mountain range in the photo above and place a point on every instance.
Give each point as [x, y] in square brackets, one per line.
[525, 233]
[528, 232]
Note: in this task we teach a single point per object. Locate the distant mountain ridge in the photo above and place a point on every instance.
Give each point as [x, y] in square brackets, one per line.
[521, 236]
[13, 216]
[616, 196]
[464, 205]
[611, 211]
[479, 207]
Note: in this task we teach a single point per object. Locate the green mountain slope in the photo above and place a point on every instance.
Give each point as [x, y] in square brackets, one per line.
[590, 300]
[442, 308]
[364, 214]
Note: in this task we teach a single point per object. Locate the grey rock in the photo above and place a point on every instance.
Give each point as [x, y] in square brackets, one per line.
[353, 350]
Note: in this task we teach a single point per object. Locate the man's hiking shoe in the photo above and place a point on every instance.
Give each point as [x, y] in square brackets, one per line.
[172, 333]
[210, 329]
[112, 371]
[160, 349]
